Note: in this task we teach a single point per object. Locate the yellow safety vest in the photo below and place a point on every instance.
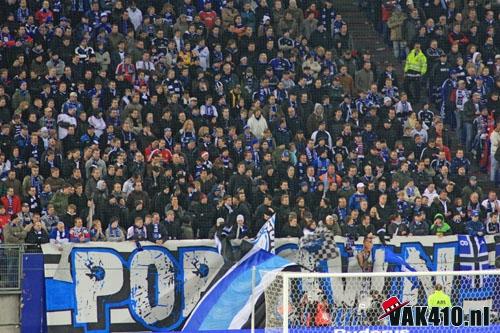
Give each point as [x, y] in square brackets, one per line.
[439, 299]
[416, 62]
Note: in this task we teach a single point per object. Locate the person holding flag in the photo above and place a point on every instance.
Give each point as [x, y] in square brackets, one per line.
[239, 231]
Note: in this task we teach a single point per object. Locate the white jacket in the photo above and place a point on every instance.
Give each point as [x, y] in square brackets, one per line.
[257, 126]
[99, 125]
[64, 118]
[204, 56]
[495, 141]
[431, 196]
[135, 17]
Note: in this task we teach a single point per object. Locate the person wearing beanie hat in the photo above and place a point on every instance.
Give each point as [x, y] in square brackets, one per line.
[331, 222]
[475, 227]
[357, 197]
[322, 133]
[418, 226]
[322, 162]
[220, 230]
[240, 230]
[446, 82]
[205, 160]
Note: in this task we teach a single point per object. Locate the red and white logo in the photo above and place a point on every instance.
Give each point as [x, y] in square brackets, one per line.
[390, 305]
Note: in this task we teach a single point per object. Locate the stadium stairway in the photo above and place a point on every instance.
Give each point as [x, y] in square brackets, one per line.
[365, 36]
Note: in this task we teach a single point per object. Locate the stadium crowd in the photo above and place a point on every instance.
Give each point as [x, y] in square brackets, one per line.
[168, 120]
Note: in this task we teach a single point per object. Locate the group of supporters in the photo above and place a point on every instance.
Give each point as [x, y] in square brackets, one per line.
[166, 120]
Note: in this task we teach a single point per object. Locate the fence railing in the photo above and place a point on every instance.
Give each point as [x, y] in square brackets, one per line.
[11, 261]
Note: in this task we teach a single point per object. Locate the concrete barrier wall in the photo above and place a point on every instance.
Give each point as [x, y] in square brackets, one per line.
[9, 313]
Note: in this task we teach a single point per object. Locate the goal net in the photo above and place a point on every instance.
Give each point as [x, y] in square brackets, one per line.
[397, 302]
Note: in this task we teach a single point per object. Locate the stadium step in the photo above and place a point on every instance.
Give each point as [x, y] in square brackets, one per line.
[365, 36]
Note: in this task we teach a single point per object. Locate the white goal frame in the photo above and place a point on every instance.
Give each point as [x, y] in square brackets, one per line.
[287, 276]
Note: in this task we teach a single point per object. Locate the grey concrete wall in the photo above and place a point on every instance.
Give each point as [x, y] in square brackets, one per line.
[9, 313]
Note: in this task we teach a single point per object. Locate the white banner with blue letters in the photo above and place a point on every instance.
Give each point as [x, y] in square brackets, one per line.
[117, 287]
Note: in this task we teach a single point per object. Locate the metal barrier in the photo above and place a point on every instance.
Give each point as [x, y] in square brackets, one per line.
[11, 256]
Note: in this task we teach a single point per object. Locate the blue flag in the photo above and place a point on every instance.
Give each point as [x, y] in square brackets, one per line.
[228, 303]
[473, 256]
[265, 237]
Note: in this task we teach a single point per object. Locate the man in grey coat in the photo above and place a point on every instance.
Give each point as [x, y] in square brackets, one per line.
[364, 77]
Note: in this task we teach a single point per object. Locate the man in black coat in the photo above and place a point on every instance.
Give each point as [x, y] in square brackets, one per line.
[160, 200]
[204, 217]
[240, 181]
[157, 233]
[320, 37]
[36, 235]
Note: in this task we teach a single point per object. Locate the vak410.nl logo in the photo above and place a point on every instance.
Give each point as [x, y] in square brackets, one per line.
[401, 314]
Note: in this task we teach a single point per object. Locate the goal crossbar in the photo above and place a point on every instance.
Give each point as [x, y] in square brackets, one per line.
[291, 275]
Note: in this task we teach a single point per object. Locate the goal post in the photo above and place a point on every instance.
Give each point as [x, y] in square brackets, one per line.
[448, 301]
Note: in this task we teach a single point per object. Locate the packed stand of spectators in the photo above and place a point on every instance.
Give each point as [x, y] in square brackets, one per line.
[161, 121]
[451, 59]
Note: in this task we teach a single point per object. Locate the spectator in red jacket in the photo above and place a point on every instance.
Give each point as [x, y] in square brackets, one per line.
[456, 35]
[11, 202]
[79, 233]
[4, 220]
[208, 16]
[127, 69]
[44, 13]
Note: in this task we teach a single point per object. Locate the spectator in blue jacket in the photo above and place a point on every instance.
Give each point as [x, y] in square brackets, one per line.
[357, 197]
[459, 161]
[59, 235]
[419, 227]
[280, 64]
[474, 226]
[240, 229]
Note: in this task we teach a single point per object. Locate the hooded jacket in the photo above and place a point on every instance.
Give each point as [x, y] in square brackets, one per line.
[416, 63]
[444, 229]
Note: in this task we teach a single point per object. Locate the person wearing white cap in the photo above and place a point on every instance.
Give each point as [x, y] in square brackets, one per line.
[72, 103]
[357, 197]
[240, 229]
[218, 229]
